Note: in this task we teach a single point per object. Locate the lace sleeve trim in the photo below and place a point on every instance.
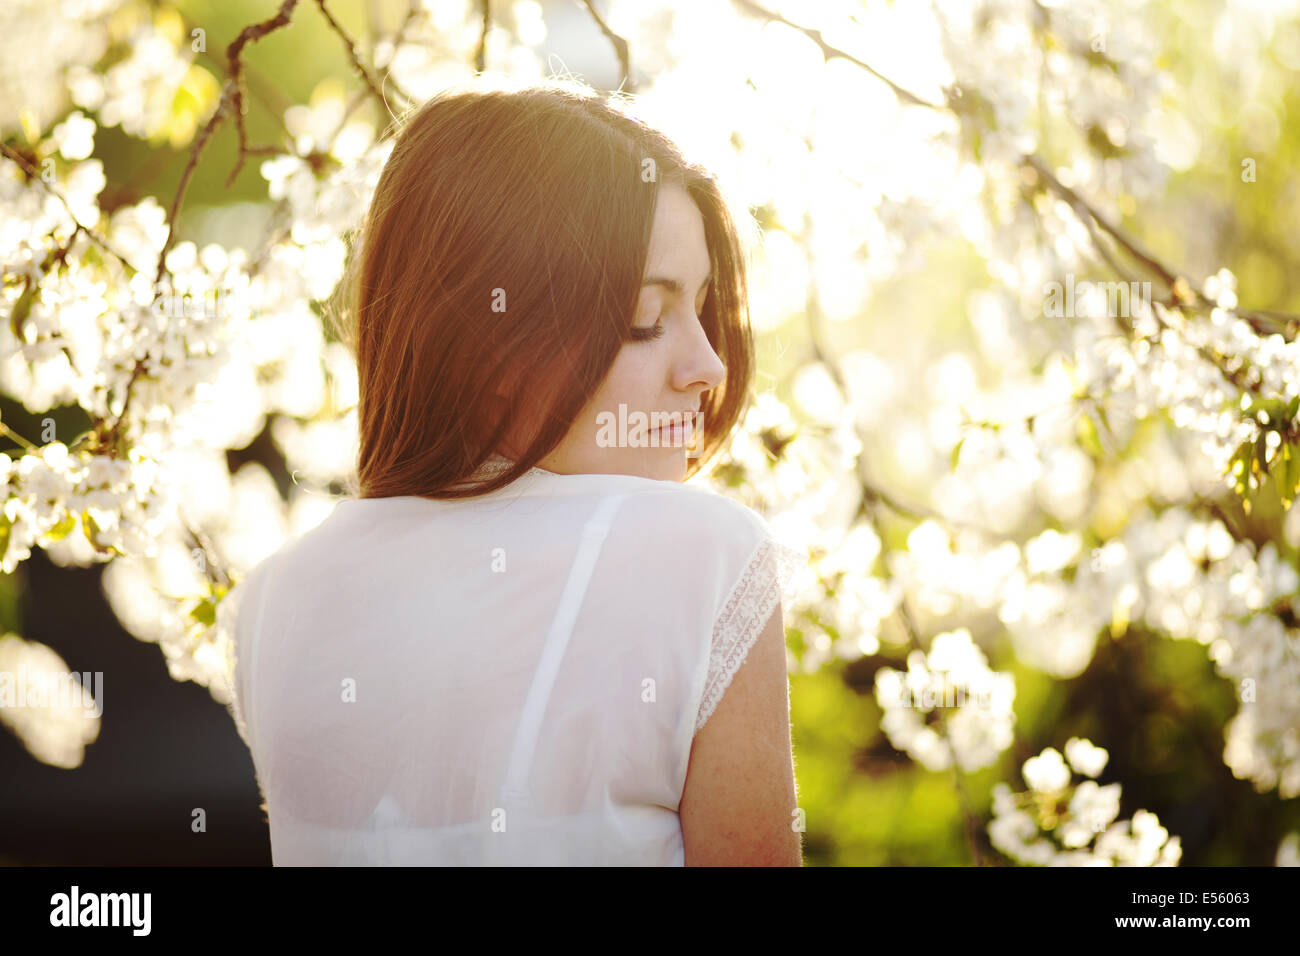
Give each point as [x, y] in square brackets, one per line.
[747, 609]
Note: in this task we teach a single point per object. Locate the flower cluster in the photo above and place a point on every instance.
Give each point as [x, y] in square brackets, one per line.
[82, 508]
[1060, 823]
[953, 682]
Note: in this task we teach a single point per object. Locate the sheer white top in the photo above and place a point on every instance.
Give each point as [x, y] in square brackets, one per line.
[515, 678]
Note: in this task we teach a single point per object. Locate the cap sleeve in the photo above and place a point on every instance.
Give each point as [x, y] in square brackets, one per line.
[759, 573]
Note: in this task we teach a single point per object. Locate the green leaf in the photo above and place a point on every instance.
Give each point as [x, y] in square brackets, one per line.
[732, 475]
[63, 528]
[1100, 409]
[1100, 429]
[205, 612]
[1238, 465]
[1288, 475]
[1259, 466]
[1089, 436]
[1238, 457]
[91, 530]
[22, 309]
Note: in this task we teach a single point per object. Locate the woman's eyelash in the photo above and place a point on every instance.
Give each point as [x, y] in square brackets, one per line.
[645, 335]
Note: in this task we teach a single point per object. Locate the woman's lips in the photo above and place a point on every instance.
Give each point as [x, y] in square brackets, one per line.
[678, 432]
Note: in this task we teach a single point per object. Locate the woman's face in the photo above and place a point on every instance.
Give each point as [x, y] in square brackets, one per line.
[659, 376]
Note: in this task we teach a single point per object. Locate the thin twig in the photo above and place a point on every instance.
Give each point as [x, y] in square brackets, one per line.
[1130, 244]
[213, 560]
[1234, 377]
[621, 48]
[33, 173]
[1184, 293]
[480, 54]
[6, 430]
[191, 164]
[357, 65]
[831, 52]
[232, 99]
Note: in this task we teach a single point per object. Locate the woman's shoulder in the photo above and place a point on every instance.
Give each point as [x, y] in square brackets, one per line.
[683, 501]
[669, 501]
[728, 513]
[694, 520]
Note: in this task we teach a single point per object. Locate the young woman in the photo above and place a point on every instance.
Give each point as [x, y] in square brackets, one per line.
[527, 641]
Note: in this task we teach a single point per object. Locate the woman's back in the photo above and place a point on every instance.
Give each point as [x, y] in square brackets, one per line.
[515, 678]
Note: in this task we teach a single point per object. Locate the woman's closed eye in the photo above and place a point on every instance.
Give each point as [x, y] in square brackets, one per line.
[648, 334]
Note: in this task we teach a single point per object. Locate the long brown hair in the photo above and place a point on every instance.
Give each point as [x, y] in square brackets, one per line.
[548, 193]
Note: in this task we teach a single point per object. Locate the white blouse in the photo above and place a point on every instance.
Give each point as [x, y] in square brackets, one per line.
[512, 679]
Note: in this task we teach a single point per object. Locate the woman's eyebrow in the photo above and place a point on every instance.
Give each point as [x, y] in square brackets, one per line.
[672, 285]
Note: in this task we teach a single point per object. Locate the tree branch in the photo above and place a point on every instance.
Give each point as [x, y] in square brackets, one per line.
[831, 52]
[1130, 245]
[1185, 296]
[357, 65]
[480, 54]
[621, 49]
[33, 173]
[232, 99]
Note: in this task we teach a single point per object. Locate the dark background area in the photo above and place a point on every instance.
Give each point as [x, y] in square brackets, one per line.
[164, 749]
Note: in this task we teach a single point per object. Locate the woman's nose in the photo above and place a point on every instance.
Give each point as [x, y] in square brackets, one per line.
[701, 366]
